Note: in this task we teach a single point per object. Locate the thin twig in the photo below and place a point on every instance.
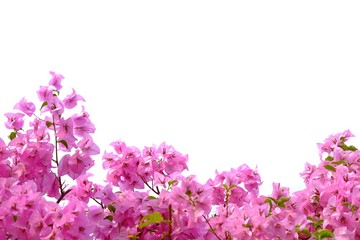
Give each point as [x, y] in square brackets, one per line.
[98, 202]
[211, 228]
[170, 222]
[63, 195]
[157, 191]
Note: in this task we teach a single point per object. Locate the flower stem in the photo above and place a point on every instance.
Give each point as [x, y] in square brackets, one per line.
[170, 222]
[211, 228]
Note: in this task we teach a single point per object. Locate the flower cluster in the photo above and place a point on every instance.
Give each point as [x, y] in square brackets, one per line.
[46, 191]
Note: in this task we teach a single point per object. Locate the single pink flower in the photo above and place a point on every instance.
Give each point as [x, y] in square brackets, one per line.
[55, 106]
[64, 167]
[56, 80]
[45, 93]
[71, 100]
[82, 124]
[88, 146]
[65, 132]
[26, 107]
[4, 152]
[15, 121]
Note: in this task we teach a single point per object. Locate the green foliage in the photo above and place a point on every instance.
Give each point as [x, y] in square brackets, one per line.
[111, 208]
[49, 124]
[64, 142]
[151, 218]
[346, 147]
[329, 158]
[43, 105]
[12, 135]
[323, 233]
[330, 168]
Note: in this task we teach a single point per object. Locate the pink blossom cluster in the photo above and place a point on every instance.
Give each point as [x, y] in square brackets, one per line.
[46, 191]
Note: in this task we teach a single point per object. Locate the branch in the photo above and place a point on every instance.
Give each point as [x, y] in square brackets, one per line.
[63, 195]
[211, 228]
[100, 203]
[157, 191]
[170, 222]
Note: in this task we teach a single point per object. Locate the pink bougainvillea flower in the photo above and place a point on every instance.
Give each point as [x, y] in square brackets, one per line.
[279, 192]
[334, 141]
[74, 165]
[65, 132]
[55, 106]
[88, 146]
[71, 100]
[82, 124]
[83, 189]
[15, 121]
[56, 80]
[109, 160]
[26, 107]
[64, 167]
[79, 164]
[65, 128]
[73, 222]
[173, 206]
[50, 185]
[119, 146]
[45, 93]
[105, 194]
[5, 169]
[4, 152]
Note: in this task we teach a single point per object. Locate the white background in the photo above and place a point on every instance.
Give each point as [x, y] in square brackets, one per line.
[255, 82]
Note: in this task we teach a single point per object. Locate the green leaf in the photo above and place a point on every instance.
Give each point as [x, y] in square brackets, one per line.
[323, 233]
[213, 230]
[43, 105]
[269, 200]
[281, 202]
[352, 148]
[353, 208]
[133, 237]
[316, 198]
[111, 208]
[228, 188]
[310, 218]
[56, 93]
[151, 218]
[318, 224]
[12, 135]
[49, 124]
[304, 231]
[329, 158]
[188, 192]
[248, 226]
[172, 182]
[330, 168]
[15, 218]
[64, 142]
[109, 217]
[339, 162]
[152, 197]
[344, 147]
